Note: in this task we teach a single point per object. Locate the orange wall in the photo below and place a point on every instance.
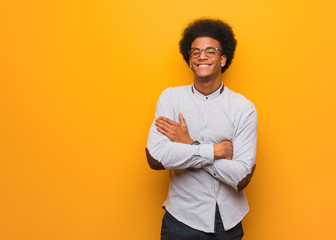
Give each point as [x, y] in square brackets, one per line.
[79, 81]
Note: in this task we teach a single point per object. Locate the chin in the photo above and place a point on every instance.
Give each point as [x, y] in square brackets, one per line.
[203, 78]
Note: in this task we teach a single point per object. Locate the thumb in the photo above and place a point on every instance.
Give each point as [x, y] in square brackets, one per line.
[182, 120]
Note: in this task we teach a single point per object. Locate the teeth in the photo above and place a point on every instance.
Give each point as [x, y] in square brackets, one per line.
[203, 65]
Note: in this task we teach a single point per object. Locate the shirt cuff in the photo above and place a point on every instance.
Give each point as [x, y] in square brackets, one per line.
[207, 153]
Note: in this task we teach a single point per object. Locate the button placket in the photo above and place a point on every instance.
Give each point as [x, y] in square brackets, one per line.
[217, 188]
[206, 113]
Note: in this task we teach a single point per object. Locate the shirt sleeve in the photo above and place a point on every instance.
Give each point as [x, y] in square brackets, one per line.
[238, 172]
[164, 154]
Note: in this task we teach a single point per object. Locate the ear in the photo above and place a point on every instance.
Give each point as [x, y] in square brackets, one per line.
[190, 63]
[223, 60]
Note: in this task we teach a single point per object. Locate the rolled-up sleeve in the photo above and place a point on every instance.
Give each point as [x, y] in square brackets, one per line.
[163, 154]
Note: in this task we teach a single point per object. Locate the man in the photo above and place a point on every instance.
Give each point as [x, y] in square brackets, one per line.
[206, 135]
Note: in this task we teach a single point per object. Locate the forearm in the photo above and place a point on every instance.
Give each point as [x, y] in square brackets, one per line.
[164, 154]
[238, 172]
[233, 173]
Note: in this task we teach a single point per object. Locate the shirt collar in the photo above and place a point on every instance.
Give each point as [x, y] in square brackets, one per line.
[212, 95]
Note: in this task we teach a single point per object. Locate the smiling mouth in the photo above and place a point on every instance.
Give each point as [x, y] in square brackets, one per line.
[203, 65]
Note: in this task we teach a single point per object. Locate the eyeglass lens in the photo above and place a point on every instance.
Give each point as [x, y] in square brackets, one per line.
[209, 51]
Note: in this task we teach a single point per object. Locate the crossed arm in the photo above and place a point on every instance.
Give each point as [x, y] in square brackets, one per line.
[237, 173]
[179, 133]
[168, 146]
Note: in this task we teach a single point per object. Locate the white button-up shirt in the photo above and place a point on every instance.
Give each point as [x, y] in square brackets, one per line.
[197, 181]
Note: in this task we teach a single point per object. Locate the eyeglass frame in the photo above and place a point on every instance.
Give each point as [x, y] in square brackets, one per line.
[204, 49]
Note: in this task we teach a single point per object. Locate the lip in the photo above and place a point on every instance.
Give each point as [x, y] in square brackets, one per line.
[203, 65]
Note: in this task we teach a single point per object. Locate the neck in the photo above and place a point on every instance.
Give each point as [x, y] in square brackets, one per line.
[207, 87]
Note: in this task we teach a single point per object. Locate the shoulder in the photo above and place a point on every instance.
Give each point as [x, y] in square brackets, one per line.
[239, 101]
[170, 100]
[175, 92]
[242, 109]
[180, 89]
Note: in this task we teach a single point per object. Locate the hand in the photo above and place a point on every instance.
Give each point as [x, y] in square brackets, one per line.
[174, 131]
[224, 150]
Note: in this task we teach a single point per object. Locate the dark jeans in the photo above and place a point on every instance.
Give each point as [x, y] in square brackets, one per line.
[172, 229]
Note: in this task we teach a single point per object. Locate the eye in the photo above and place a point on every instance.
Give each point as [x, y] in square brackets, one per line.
[211, 51]
[195, 52]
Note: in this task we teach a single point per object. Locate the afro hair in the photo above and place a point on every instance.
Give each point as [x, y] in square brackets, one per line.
[214, 28]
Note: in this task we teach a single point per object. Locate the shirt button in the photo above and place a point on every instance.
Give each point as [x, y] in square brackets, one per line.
[214, 174]
[205, 126]
[206, 97]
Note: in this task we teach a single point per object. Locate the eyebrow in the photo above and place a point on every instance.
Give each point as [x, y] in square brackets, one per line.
[205, 47]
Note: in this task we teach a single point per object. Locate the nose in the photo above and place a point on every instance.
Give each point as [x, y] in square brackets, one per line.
[203, 55]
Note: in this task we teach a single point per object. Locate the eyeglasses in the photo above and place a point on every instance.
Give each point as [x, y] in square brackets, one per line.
[209, 51]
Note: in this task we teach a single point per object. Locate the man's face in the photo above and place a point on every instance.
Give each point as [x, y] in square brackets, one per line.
[207, 67]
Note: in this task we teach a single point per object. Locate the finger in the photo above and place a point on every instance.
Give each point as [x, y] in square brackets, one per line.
[164, 122]
[226, 142]
[163, 126]
[230, 155]
[171, 122]
[182, 121]
[160, 130]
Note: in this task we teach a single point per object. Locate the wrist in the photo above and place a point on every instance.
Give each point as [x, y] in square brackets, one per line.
[190, 141]
[216, 152]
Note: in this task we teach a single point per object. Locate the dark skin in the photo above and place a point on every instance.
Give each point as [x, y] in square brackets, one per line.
[207, 78]
[179, 133]
[207, 70]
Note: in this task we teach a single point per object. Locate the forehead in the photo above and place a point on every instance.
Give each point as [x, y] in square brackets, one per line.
[203, 42]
